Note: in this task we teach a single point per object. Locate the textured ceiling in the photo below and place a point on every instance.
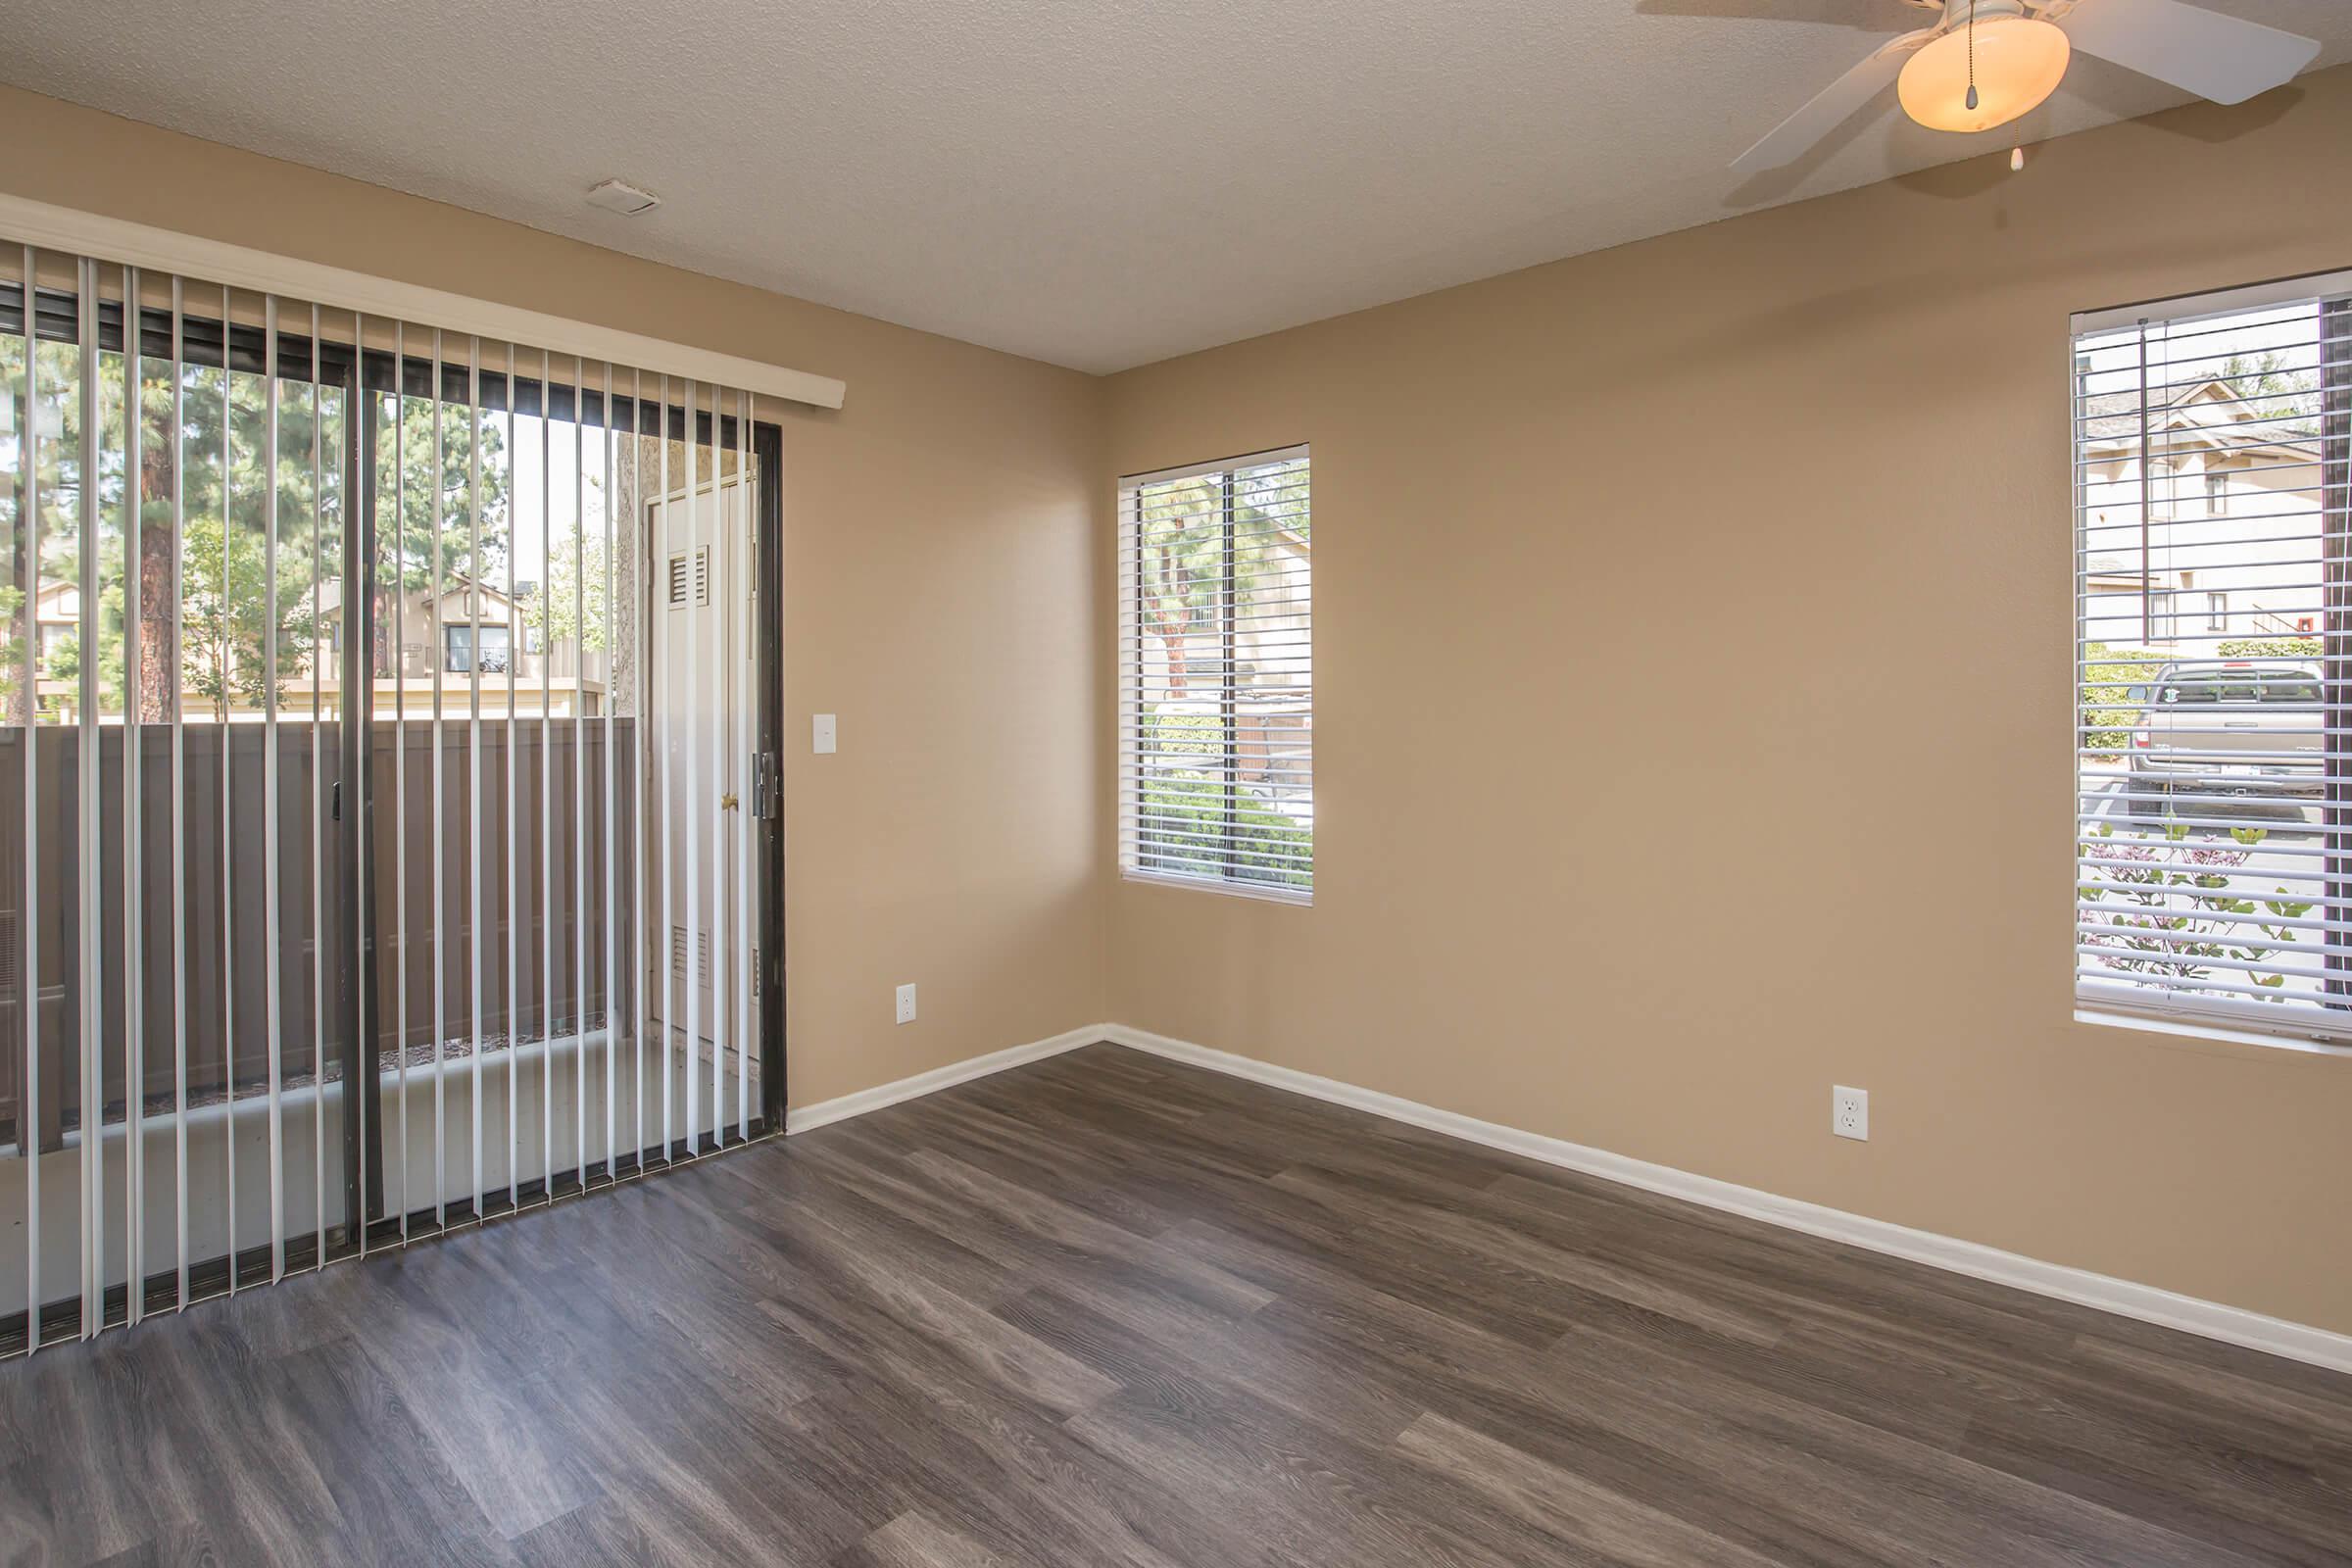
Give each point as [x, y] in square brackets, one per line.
[1098, 183]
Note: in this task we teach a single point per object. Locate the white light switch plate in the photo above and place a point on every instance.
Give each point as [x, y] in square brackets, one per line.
[821, 734]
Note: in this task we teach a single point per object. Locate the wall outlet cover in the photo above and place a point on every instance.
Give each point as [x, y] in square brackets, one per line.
[907, 1004]
[1849, 1112]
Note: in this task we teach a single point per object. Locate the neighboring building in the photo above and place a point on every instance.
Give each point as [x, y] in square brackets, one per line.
[2214, 536]
[452, 634]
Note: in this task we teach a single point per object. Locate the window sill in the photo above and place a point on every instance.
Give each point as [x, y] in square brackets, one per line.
[2216, 1033]
[1205, 884]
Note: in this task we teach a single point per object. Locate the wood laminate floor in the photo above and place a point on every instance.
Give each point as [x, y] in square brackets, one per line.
[1106, 1310]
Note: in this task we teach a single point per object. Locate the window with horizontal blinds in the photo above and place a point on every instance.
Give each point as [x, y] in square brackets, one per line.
[1216, 677]
[2213, 464]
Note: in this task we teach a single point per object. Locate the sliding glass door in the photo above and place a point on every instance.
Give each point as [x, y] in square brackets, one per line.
[387, 801]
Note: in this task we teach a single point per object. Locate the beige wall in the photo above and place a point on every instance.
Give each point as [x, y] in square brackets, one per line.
[940, 555]
[1648, 811]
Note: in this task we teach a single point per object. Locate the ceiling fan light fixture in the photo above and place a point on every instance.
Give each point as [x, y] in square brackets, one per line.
[2018, 61]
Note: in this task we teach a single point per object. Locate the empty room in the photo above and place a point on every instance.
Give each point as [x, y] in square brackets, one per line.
[921, 784]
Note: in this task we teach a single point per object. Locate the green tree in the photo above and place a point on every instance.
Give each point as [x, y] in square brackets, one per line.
[218, 644]
[571, 606]
[225, 612]
[405, 489]
[1181, 579]
[216, 638]
[2267, 390]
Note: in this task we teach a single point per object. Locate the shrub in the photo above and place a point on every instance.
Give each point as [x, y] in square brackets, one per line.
[2108, 674]
[1184, 829]
[1183, 832]
[2271, 648]
[2174, 899]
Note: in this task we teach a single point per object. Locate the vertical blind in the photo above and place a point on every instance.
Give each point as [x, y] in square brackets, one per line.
[2213, 581]
[351, 765]
[1216, 675]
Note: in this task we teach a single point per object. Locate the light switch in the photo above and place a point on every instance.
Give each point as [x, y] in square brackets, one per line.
[821, 735]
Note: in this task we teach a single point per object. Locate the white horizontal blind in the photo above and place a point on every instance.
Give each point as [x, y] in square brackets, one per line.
[2213, 581]
[1216, 677]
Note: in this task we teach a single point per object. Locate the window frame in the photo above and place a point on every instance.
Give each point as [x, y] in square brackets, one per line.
[2188, 1013]
[476, 646]
[1130, 662]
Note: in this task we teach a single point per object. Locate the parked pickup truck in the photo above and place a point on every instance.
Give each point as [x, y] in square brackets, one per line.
[2237, 727]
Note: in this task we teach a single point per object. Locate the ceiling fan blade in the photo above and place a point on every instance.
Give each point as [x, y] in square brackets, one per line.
[1830, 107]
[2211, 55]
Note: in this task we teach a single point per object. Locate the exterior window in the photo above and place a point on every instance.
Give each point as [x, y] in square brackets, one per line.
[460, 642]
[1217, 682]
[2216, 492]
[2212, 877]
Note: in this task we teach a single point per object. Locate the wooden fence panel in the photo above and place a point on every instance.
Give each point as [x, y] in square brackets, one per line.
[227, 958]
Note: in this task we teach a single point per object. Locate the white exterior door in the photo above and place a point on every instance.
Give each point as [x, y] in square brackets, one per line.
[700, 728]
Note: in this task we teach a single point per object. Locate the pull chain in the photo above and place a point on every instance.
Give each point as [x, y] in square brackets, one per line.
[1972, 54]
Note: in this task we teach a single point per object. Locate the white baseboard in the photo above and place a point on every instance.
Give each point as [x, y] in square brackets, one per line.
[2234, 1325]
[805, 1118]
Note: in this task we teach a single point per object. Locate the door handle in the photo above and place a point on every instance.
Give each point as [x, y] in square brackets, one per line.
[763, 787]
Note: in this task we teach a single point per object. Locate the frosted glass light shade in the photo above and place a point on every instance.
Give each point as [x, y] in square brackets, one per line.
[2019, 60]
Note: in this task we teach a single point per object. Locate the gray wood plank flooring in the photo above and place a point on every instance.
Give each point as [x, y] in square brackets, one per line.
[1110, 1310]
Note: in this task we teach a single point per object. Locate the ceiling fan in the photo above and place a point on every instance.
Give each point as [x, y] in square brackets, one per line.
[1986, 61]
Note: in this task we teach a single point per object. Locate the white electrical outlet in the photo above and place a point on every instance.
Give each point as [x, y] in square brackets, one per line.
[1849, 1112]
[906, 1004]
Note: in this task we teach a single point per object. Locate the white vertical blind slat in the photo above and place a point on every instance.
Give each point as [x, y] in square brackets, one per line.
[318, 1030]
[229, 912]
[135, 1044]
[28, 1115]
[579, 761]
[547, 755]
[90, 911]
[437, 661]
[669, 694]
[743, 713]
[511, 836]
[400, 758]
[690, 666]
[176, 685]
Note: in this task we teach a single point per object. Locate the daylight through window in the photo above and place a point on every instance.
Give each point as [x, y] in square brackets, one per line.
[2214, 768]
[1216, 693]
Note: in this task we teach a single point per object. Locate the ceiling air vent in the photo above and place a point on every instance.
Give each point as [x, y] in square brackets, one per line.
[626, 200]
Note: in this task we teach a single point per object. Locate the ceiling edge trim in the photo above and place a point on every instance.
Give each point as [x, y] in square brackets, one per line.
[65, 228]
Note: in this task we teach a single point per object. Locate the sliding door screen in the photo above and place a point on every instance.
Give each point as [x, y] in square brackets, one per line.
[383, 835]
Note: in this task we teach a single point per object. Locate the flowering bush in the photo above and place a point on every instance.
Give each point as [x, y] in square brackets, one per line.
[2165, 907]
